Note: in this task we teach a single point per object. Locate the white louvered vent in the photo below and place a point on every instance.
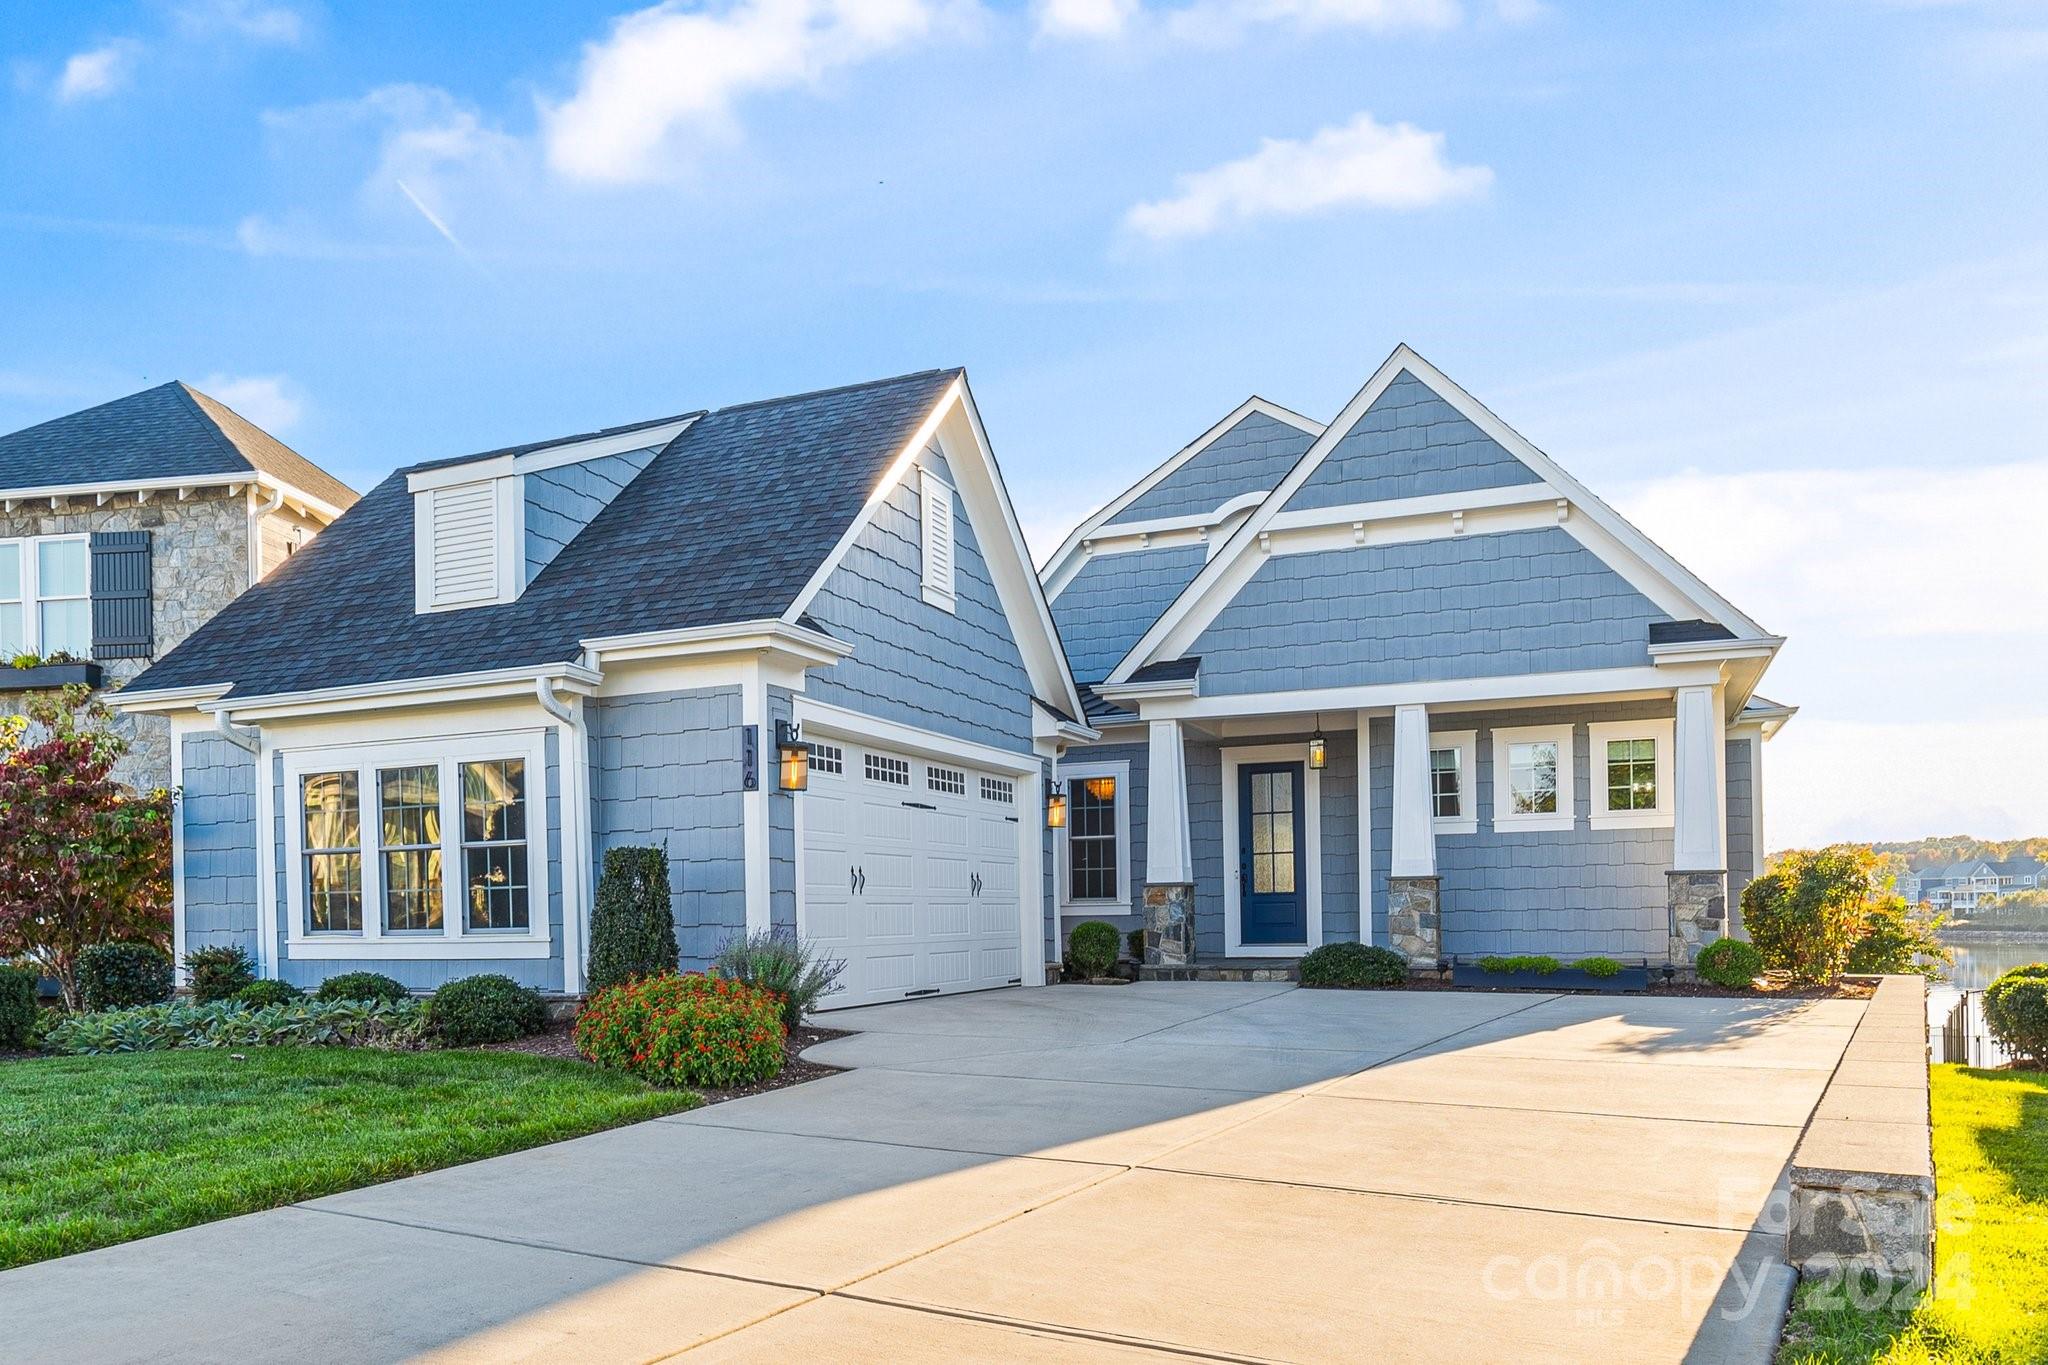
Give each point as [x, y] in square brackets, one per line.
[937, 508]
[461, 542]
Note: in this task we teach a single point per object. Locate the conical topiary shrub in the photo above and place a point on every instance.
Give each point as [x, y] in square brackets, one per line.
[632, 927]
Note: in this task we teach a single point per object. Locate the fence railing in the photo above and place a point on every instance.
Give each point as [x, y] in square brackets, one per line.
[1964, 1036]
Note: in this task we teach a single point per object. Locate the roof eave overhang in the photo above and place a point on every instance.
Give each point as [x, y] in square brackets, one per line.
[793, 643]
[446, 689]
[1138, 691]
[183, 486]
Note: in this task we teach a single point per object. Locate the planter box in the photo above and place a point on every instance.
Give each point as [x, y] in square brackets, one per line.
[1563, 979]
[47, 676]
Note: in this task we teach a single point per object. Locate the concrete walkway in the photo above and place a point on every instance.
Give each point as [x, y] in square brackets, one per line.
[1076, 1173]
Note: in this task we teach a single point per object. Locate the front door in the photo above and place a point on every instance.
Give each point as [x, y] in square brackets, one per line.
[1272, 884]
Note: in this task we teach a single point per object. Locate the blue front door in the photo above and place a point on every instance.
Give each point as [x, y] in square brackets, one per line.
[1271, 876]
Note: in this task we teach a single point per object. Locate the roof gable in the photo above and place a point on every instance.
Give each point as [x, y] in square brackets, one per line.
[1410, 442]
[1675, 590]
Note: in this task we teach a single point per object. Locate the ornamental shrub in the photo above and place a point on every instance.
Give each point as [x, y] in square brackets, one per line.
[361, 986]
[2016, 1009]
[485, 1009]
[632, 923]
[1538, 963]
[1091, 949]
[777, 961]
[18, 1007]
[1731, 963]
[1897, 939]
[1599, 968]
[1353, 965]
[263, 994]
[684, 1030]
[1806, 912]
[229, 1023]
[116, 976]
[218, 973]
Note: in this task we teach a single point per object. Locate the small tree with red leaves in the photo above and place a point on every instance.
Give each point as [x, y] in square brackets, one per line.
[83, 859]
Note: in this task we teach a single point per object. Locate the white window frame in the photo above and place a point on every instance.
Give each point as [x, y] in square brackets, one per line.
[1466, 742]
[940, 589]
[1598, 735]
[1505, 816]
[32, 596]
[455, 939]
[1070, 773]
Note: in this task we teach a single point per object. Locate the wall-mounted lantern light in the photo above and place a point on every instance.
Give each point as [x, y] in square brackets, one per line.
[1318, 752]
[1056, 805]
[793, 756]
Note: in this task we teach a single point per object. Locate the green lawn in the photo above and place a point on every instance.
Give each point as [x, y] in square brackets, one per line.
[1990, 1298]
[97, 1150]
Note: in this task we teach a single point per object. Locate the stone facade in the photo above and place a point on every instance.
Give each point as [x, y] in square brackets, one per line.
[1169, 925]
[1414, 921]
[199, 551]
[1699, 912]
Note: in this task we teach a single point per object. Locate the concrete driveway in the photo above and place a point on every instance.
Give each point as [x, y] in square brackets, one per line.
[1216, 1170]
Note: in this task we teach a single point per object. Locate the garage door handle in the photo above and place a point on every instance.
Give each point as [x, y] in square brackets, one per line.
[852, 881]
[863, 874]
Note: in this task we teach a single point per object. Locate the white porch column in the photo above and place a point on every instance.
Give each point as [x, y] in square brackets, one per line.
[1414, 839]
[1169, 860]
[1699, 841]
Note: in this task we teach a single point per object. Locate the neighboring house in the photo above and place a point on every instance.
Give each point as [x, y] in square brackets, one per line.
[1966, 884]
[125, 526]
[1400, 679]
[409, 748]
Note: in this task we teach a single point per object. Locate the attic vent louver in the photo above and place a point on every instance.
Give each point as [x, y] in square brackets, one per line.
[462, 549]
[936, 498]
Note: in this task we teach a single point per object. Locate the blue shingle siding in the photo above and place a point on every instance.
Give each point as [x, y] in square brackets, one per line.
[217, 810]
[1742, 779]
[1205, 836]
[1409, 444]
[781, 818]
[1569, 893]
[666, 771]
[1513, 602]
[1380, 742]
[1252, 456]
[1134, 792]
[428, 974]
[561, 501]
[1339, 833]
[958, 673]
[1114, 599]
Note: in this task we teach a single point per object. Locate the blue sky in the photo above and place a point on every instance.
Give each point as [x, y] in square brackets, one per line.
[1773, 278]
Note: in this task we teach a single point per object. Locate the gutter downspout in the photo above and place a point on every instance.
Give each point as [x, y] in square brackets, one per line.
[576, 846]
[256, 516]
[244, 737]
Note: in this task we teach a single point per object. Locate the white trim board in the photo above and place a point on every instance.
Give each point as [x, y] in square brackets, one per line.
[1235, 757]
[1096, 520]
[1203, 598]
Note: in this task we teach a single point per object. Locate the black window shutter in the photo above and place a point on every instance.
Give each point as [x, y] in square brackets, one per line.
[121, 624]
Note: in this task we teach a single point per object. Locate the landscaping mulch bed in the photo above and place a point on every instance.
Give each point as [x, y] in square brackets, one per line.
[1770, 990]
[558, 1041]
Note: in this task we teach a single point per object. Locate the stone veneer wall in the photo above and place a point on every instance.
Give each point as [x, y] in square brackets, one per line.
[199, 563]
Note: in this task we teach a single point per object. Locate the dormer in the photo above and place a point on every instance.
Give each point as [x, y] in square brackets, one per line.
[485, 527]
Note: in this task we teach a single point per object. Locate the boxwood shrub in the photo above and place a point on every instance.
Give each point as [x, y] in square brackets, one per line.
[1353, 965]
[1729, 962]
[2016, 1009]
[259, 995]
[632, 923]
[1091, 948]
[361, 986]
[18, 1005]
[114, 976]
[217, 973]
[1540, 964]
[485, 1009]
[1599, 968]
[684, 1030]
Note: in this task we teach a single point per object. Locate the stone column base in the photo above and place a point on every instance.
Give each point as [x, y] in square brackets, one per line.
[1169, 925]
[1699, 912]
[1414, 921]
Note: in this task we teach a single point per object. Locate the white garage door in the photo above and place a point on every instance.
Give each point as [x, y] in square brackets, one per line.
[910, 874]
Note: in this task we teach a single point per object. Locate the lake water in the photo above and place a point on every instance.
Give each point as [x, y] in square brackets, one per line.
[1979, 964]
[1976, 966]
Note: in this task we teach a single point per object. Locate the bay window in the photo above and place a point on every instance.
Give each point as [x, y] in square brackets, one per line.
[426, 848]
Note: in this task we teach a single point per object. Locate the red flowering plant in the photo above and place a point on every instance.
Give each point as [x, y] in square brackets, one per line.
[83, 860]
[684, 1030]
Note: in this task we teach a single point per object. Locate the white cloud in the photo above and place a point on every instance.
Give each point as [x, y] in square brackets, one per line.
[669, 72]
[1361, 162]
[251, 20]
[99, 72]
[1098, 19]
[271, 401]
[1828, 781]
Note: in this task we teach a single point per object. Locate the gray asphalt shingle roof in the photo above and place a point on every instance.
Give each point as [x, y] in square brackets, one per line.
[166, 432]
[726, 524]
